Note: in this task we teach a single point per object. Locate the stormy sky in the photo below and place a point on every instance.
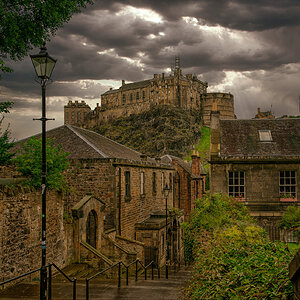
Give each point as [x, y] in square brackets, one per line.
[249, 48]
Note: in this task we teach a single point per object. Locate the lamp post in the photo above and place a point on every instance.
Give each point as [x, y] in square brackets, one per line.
[166, 191]
[43, 65]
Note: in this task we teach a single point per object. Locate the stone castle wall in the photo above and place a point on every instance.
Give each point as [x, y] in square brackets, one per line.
[187, 92]
[222, 102]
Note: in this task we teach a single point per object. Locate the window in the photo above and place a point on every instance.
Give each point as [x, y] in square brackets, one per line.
[144, 94]
[142, 183]
[162, 180]
[131, 96]
[170, 181]
[137, 95]
[124, 98]
[236, 184]
[127, 184]
[287, 184]
[265, 135]
[154, 183]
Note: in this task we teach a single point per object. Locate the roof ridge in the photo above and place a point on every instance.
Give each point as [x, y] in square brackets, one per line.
[108, 139]
[85, 140]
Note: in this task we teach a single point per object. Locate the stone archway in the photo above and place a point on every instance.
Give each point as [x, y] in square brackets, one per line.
[91, 229]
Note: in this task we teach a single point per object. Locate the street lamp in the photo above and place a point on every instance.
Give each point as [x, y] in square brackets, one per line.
[43, 65]
[166, 191]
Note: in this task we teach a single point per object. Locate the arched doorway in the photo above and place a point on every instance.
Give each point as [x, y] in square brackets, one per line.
[91, 228]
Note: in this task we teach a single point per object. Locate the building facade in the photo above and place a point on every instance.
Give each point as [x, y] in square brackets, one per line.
[189, 182]
[187, 92]
[115, 205]
[258, 162]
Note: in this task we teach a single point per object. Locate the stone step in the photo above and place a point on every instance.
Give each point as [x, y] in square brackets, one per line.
[164, 289]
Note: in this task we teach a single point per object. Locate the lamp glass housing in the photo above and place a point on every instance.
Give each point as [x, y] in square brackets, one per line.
[43, 64]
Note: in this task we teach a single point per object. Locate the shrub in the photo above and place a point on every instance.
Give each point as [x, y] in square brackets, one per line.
[233, 259]
[291, 219]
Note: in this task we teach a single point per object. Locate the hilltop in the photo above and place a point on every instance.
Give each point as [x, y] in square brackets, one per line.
[161, 130]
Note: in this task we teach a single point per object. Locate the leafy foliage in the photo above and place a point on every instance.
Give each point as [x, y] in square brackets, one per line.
[291, 219]
[233, 257]
[161, 130]
[28, 23]
[5, 143]
[29, 161]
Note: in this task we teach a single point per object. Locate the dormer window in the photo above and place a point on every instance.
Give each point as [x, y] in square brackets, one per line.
[265, 135]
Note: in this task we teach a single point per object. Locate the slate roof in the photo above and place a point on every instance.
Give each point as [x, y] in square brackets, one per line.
[240, 138]
[83, 143]
[135, 85]
[187, 166]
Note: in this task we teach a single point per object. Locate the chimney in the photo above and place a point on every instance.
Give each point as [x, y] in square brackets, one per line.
[214, 106]
[155, 76]
[196, 164]
[97, 105]
[163, 75]
[214, 133]
[258, 110]
[143, 157]
[123, 82]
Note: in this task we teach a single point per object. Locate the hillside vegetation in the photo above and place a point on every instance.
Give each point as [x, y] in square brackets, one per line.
[161, 130]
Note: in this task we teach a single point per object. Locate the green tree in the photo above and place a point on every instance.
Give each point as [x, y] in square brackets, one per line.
[5, 143]
[25, 24]
[29, 161]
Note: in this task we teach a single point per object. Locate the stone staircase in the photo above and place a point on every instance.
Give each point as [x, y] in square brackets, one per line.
[105, 288]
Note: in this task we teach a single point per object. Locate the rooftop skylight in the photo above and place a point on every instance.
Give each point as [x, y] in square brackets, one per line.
[265, 135]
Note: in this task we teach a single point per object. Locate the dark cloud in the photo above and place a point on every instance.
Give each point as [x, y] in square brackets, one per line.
[250, 49]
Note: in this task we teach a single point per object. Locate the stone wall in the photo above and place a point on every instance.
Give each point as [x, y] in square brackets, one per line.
[96, 177]
[261, 179]
[20, 231]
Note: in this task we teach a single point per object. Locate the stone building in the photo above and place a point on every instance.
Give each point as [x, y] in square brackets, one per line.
[264, 114]
[187, 92]
[115, 208]
[189, 181]
[258, 162]
[75, 112]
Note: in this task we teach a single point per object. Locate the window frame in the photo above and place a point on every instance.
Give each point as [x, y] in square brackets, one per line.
[238, 184]
[288, 190]
[142, 183]
[154, 183]
[127, 184]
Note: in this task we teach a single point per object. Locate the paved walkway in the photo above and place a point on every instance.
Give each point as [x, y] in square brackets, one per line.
[158, 289]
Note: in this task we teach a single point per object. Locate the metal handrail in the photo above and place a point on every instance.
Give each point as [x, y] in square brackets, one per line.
[119, 264]
[74, 280]
[20, 276]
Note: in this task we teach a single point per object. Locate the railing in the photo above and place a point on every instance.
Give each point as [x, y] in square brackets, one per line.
[65, 275]
[19, 277]
[120, 264]
[49, 281]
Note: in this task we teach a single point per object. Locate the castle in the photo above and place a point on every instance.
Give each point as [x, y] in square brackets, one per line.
[187, 92]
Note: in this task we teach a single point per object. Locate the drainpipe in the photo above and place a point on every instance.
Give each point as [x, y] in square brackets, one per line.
[119, 202]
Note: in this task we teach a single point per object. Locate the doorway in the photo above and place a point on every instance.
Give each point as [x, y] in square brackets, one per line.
[91, 229]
